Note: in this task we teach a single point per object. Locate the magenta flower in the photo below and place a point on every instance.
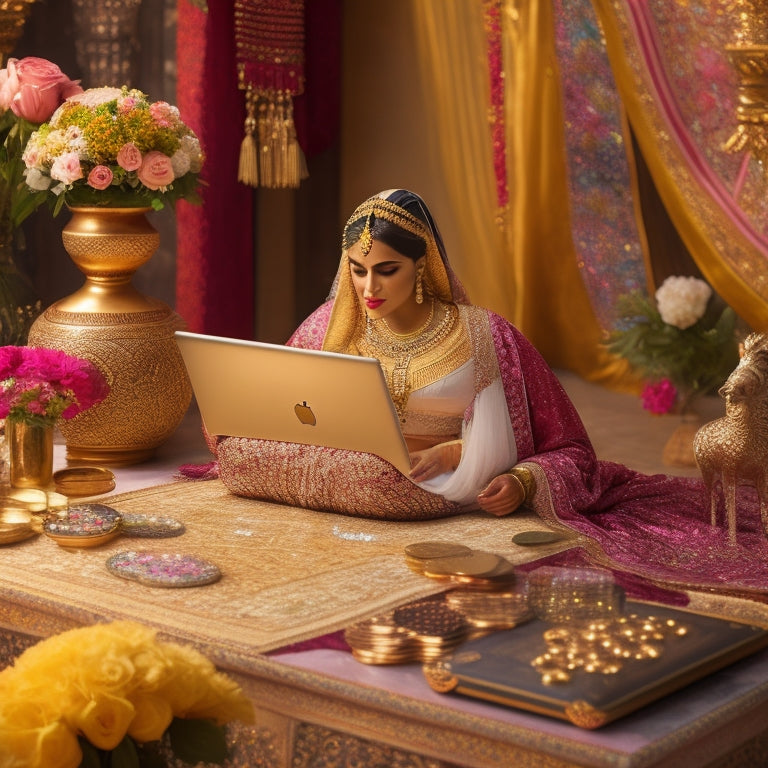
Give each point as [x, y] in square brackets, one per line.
[39, 385]
[659, 397]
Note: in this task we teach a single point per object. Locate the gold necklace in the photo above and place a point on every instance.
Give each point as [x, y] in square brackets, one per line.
[401, 350]
[410, 334]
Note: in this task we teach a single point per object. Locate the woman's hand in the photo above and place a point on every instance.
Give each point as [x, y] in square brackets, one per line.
[434, 461]
[504, 494]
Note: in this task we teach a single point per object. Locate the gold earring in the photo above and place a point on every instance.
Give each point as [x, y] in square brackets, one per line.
[419, 289]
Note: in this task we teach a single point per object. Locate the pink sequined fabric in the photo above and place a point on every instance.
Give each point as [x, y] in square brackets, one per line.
[328, 479]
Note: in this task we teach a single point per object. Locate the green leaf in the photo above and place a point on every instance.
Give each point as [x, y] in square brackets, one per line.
[196, 741]
[124, 755]
[91, 757]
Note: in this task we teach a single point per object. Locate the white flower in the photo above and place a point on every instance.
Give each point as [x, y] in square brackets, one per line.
[95, 96]
[37, 180]
[180, 163]
[682, 301]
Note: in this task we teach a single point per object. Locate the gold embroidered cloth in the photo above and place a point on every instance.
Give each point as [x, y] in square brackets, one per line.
[288, 574]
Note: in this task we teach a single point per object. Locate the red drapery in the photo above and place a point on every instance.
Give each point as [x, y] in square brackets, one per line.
[215, 243]
[214, 273]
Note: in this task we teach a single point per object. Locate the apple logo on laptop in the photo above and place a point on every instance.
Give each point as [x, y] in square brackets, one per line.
[305, 414]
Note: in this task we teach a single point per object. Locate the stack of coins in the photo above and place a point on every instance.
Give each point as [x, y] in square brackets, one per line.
[438, 628]
[488, 611]
[477, 570]
[417, 632]
[416, 555]
[380, 640]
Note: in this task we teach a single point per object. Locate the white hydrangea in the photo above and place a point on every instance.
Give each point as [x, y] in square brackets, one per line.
[682, 300]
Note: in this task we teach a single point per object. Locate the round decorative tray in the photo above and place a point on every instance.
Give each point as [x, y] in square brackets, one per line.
[84, 481]
[84, 525]
[163, 570]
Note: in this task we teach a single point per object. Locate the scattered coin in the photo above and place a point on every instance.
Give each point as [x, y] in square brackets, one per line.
[475, 564]
[532, 538]
[430, 550]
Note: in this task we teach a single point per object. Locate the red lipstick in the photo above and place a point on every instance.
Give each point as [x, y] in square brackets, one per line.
[373, 303]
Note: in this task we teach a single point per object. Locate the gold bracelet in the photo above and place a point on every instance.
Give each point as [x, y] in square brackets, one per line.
[526, 479]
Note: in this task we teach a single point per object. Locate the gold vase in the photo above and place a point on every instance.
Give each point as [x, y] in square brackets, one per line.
[129, 336]
[30, 449]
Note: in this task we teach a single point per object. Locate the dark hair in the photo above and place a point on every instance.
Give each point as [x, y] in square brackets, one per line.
[404, 242]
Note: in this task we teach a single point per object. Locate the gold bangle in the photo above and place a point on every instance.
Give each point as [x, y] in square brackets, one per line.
[519, 484]
[525, 477]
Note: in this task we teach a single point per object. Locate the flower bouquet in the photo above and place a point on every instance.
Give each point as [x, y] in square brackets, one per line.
[114, 147]
[680, 341]
[114, 695]
[31, 89]
[40, 386]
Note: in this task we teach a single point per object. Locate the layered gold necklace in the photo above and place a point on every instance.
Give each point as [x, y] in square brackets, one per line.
[396, 351]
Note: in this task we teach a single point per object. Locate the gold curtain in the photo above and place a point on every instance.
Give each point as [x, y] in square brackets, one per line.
[526, 269]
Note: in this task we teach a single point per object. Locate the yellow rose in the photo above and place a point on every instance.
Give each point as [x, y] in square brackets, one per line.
[104, 720]
[188, 682]
[152, 718]
[50, 746]
[224, 701]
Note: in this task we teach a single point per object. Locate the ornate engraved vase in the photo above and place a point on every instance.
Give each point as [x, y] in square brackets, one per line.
[30, 449]
[129, 336]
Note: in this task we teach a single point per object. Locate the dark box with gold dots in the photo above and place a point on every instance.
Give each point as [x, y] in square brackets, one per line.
[591, 672]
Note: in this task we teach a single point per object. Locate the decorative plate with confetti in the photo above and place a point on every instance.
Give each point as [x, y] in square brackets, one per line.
[162, 569]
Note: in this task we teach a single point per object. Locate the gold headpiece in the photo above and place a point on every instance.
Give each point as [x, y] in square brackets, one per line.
[376, 207]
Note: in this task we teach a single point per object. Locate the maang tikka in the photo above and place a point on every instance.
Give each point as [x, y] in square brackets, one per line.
[366, 238]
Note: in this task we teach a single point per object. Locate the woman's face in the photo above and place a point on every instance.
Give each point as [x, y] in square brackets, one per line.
[384, 281]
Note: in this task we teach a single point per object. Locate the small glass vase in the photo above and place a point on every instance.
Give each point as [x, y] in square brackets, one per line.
[30, 449]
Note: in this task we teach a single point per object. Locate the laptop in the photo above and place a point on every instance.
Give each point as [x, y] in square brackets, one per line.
[273, 392]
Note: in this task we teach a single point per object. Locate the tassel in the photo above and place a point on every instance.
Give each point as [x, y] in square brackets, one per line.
[248, 169]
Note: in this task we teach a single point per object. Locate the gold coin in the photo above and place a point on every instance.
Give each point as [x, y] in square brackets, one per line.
[532, 538]
[475, 564]
[430, 550]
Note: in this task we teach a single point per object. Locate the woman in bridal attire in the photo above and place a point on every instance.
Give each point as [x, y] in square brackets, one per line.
[474, 398]
[488, 424]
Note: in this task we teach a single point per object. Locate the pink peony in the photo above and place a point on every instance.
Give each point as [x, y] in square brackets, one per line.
[156, 170]
[659, 397]
[66, 168]
[34, 88]
[100, 177]
[129, 157]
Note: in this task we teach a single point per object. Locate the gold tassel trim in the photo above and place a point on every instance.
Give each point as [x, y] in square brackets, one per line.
[270, 155]
[248, 169]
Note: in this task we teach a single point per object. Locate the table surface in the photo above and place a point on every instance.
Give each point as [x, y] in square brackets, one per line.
[704, 720]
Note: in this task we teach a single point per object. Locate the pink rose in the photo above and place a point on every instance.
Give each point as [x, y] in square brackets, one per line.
[100, 177]
[66, 168]
[156, 170]
[162, 113]
[37, 87]
[129, 157]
